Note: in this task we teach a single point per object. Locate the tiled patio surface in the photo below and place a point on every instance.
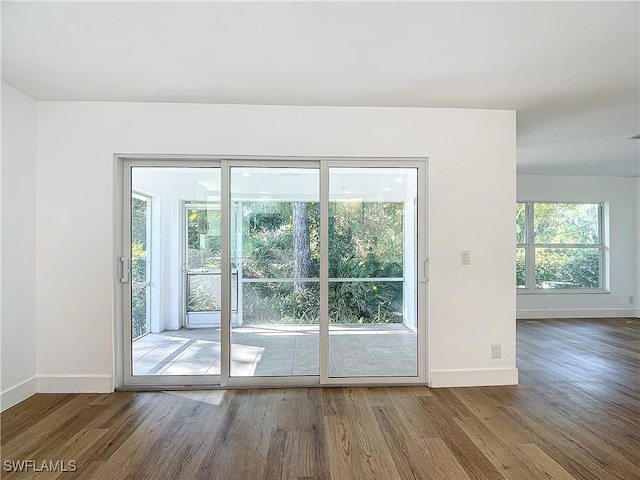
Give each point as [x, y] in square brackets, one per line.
[276, 350]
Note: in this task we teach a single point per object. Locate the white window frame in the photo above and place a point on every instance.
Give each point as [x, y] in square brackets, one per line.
[530, 248]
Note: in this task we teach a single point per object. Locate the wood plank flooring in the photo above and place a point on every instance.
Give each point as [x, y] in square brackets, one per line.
[575, 415]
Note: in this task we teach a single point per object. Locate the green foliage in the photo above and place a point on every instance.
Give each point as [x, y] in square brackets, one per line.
[365, 241]
[280, 303]
[138, 312]
[139, 235]
[565, 223]
[139, 273]
[521, 211]
[138, 263]
[520, 268]
[204, 293]
[567, 268]
[203, 237]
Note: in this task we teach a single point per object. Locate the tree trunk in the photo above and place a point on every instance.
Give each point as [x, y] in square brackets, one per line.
[301, 246]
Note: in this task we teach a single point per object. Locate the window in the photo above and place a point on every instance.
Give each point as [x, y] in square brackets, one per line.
[559, 246]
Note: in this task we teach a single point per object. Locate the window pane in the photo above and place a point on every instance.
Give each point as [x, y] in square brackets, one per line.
[272, 231]
[575, 223]
[521, 267]
[280, 303]
[277, 216]
[203, 236]
[366, 302]
[366, 239]
[204, 292]
[139, 312]
[372, 272]
[567, 267]
[521, 214]
[139, 234]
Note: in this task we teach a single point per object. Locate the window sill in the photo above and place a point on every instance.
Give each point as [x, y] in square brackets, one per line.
[562, 291]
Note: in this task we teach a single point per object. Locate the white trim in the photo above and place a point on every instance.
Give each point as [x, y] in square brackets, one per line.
[18, 393]
[226, 274]
[474, 377]
[324, 354]
[273, 382]
[373, 381]
[577, 313]
[562, 291]
[317, 279]
[75, 384]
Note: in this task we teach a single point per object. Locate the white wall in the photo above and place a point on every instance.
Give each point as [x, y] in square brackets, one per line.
[638, 247]
[18, 344]
[620, 193]
[471, 193]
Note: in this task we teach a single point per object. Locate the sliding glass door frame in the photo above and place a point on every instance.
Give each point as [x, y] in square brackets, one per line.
[420, 268]
[124, 363]
[226, 379]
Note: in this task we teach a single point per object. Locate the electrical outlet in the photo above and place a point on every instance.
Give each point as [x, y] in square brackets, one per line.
[631, 299]
[496, 350]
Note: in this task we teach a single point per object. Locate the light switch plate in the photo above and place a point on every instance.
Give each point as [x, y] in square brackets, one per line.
[465, 257]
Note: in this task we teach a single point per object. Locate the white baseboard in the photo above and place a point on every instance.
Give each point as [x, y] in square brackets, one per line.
[578, 313]
[16, 394]
[474, 377]
[75, 384]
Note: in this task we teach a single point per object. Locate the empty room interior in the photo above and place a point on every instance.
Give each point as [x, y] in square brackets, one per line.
[320, 240]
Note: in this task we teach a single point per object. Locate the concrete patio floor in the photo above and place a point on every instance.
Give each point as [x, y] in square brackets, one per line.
[355, 350]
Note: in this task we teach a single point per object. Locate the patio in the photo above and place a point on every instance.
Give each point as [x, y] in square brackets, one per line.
[279, 350]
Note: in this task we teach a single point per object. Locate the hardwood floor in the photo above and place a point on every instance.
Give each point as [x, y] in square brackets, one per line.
[575, 415]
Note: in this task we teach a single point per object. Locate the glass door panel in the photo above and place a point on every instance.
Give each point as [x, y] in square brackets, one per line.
[372, 272]
[140, 265]
[175, 253]
[277, 263]
[203, 265]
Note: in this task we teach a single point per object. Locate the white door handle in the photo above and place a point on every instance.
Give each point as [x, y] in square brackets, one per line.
[124, 261]
[424, 265]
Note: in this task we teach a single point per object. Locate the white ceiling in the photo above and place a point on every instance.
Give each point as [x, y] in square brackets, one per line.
[570, 69]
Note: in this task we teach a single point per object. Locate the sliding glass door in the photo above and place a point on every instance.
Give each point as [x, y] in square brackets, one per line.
[373, 330]
[277, 208]
[246, 272]
[173, 261]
